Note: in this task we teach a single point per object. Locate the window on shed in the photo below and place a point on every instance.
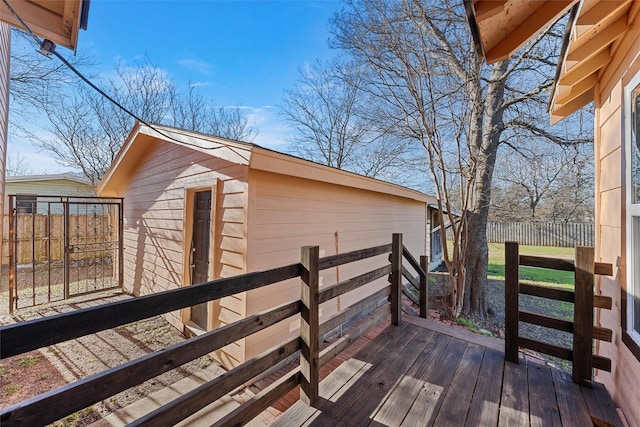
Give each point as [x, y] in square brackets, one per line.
[26, 204]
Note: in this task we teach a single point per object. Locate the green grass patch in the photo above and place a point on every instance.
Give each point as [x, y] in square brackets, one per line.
[561, 279]
[28, 361]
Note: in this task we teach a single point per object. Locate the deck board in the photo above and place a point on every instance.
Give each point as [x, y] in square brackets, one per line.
[412, 376]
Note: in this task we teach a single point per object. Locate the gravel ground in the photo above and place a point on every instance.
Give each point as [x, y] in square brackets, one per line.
[37, 372]
[494, 322]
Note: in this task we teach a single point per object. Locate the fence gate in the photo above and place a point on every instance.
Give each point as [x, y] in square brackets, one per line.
[60, 247]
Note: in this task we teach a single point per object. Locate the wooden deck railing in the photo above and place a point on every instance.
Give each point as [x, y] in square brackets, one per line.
[48, 407]
[582, 297]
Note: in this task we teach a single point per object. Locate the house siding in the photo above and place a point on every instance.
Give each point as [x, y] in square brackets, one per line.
[5, 46]
[156, 226]
[610, 234]
[286, 213]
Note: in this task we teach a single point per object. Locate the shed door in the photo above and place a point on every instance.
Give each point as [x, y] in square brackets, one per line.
[200, 251]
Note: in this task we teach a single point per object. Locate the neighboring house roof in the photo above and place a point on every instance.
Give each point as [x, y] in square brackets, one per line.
[56, 20]
[597, 31]
[52, 177]
[252, 155]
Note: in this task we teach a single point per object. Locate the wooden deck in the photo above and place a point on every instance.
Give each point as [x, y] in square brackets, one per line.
[414, 376]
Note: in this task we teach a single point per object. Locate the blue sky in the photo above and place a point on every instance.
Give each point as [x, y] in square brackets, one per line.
[237, 52]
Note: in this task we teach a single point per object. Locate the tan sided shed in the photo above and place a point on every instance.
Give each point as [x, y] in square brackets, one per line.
[600, 63]
[255, 208]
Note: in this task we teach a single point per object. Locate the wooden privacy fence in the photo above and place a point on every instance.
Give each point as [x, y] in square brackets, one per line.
[30, 335]
[582, 297]
[558, 234]
[40, 237]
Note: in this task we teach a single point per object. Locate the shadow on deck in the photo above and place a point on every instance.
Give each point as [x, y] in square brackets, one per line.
[424, 373]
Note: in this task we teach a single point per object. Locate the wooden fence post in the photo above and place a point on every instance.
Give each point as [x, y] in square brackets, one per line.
[396, 279]
[424, 287]
[511, 303]
[309, 325]
[583, 316]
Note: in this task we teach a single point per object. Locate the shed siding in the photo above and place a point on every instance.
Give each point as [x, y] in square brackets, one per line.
[155, 223]
[5, 46]
[286, 213]
[610, 242]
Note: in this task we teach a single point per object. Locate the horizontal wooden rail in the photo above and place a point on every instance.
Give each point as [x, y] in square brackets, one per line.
[191, 402]
[601, 268]
[415, 264]
[367, 304]
[599, 333]
[48, 407]
[353, 283]
[357, 255]
[599, 301]
[599, 362]
[261, 401]
[414, 299]
[33, 334]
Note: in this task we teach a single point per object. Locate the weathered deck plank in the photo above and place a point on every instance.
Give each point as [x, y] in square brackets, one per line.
[543, 405]
[411, 377]
[402, 397]
[485, 404]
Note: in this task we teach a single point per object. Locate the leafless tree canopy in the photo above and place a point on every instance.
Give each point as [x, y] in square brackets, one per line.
[418, 63]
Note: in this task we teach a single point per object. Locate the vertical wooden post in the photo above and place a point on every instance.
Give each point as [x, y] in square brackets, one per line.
[511, 303]
[583, 316]
[424, 288]
[309, 325]
[396, 279]
[13, 219]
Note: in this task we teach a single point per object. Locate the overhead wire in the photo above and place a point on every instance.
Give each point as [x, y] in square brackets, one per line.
[103, 93]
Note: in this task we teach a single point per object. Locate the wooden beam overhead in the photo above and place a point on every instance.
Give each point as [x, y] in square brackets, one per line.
[599, 42]
[582, 70]
[572, 92]
[559, 112]
[600, 11]
[543, 16]
[485, 9]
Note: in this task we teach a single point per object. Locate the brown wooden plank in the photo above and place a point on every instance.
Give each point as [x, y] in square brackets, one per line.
[602, 301]
[550, 263]
[543, 405]
[353, 283]
[378, 354]
[602, 334]
[545, 292]
[602, 363]
[514, 403]
[458, 333]
[424, 287]
[354, 333]
[191, 402]
[33, 334]
[406, 291]
[457, 399]
[571, 403]
[46, 408]
[546, 321]
[583, 317]
[353, 311]
[413, 262]
[261, 401]
[600, 405]
[383, 381]
[412, 280]
[427, 404]
[347, 257]
[396, 279]
[546, 348]
[485, 403]
[511, 302]
[603, 268]
[401, 398]
[309, 325]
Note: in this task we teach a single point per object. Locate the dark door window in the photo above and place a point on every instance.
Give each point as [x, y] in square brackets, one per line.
[200, 251]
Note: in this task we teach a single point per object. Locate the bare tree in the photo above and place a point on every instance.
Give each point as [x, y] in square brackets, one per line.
[543, 181]
[327, 109]
[17, 165]
[421, 67]
[88, 130]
